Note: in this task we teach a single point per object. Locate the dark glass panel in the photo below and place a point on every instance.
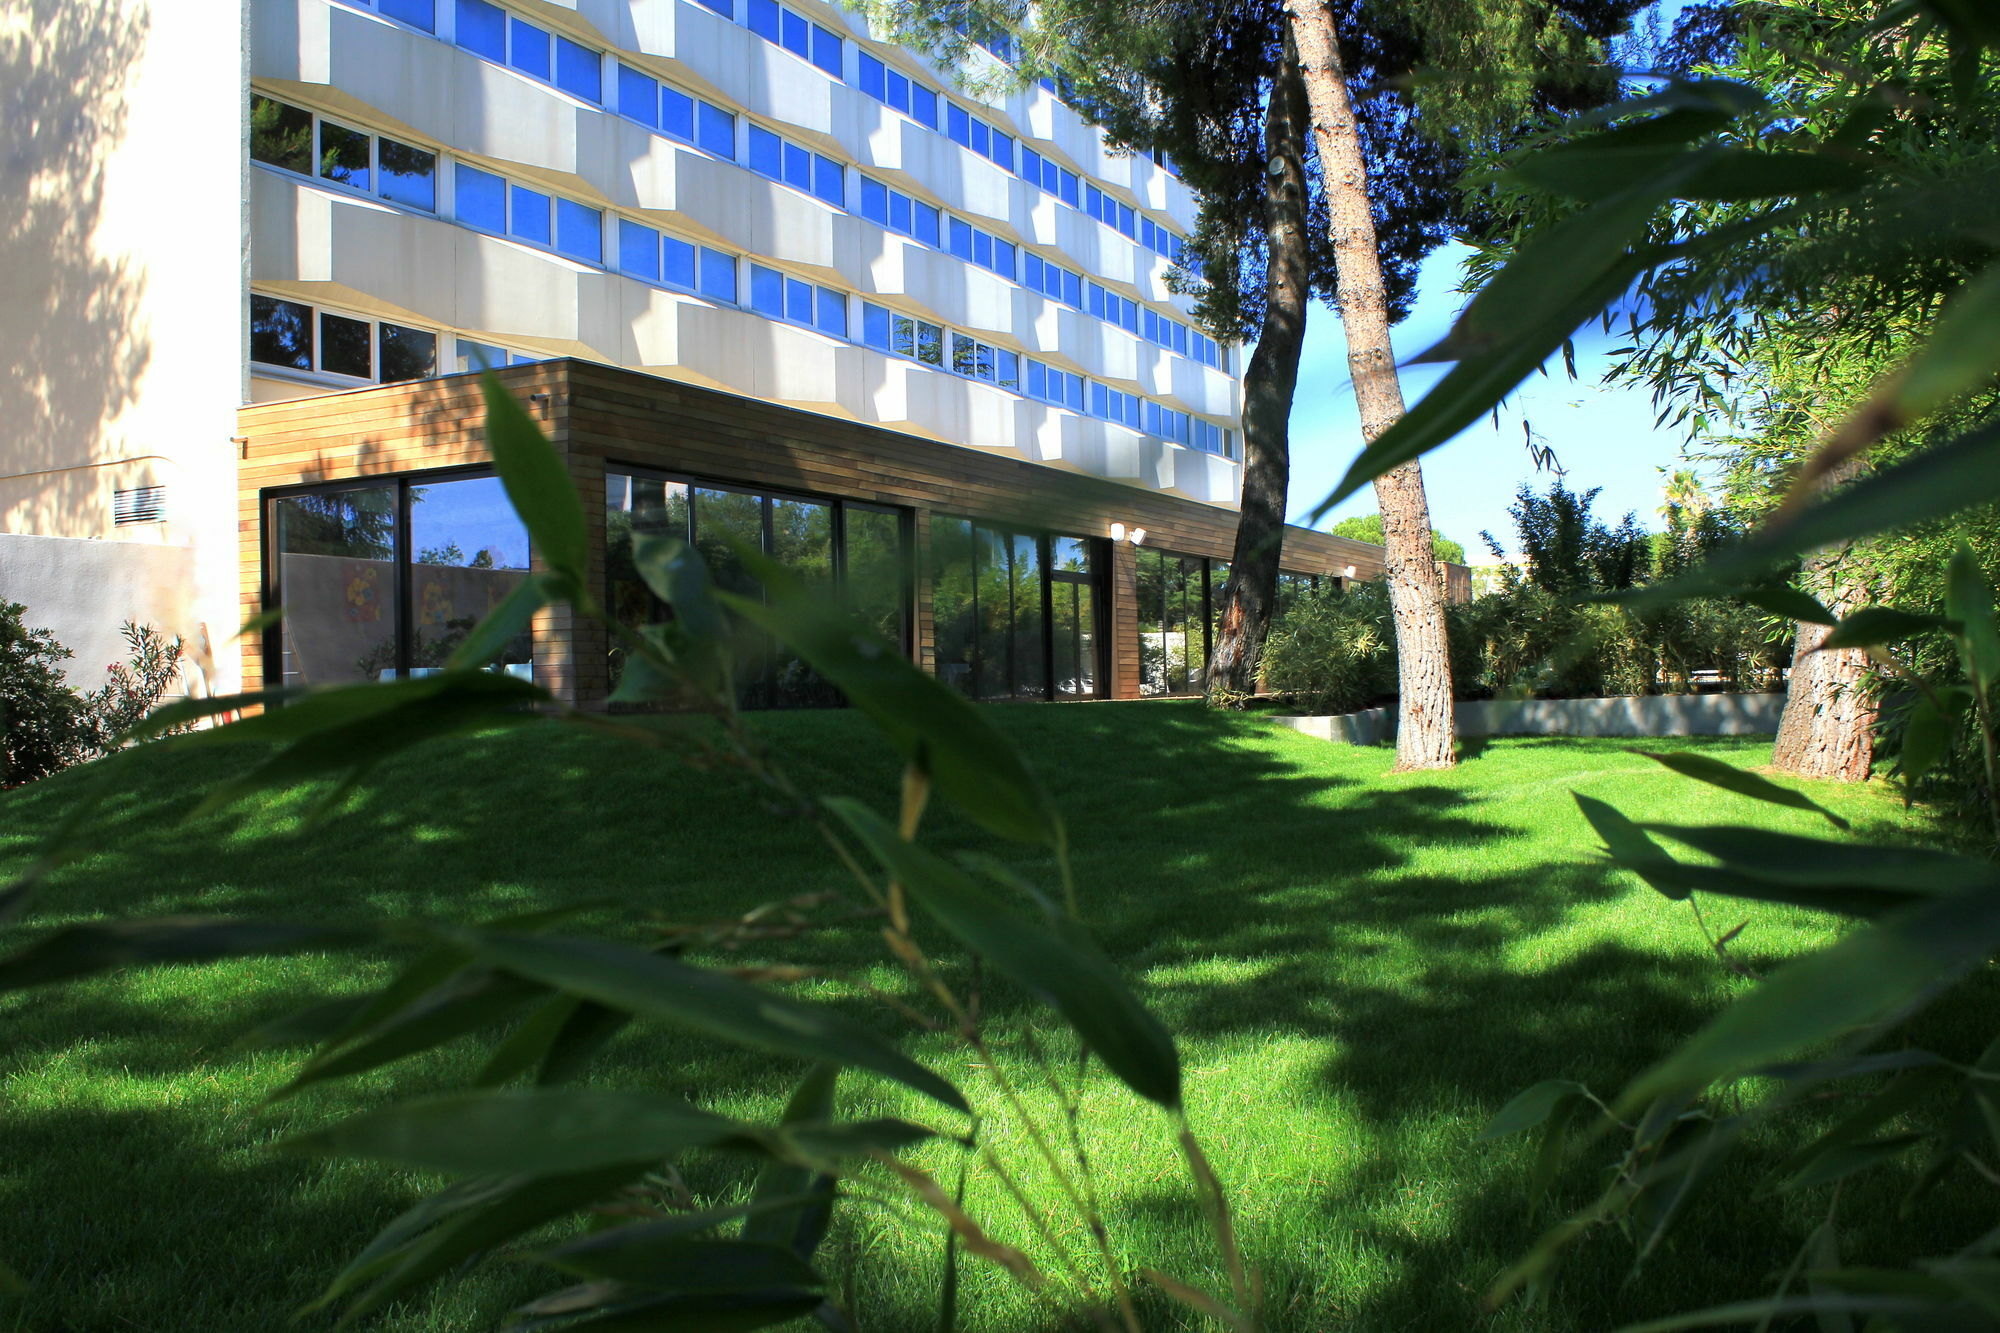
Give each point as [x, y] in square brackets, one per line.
[336, 580]
[471, 551]
[720, 519]
[875, 570]
[634, 505]
[1152, 600]
[955, 603]
[802, 538]
[281, 333]
[344, 346]
[409, 175]
[281, 135]
[1029, 670]
[1074, 629]
[343, 155]
[407, 354]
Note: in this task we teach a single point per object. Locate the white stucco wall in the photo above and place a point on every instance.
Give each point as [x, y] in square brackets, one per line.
[83, 590]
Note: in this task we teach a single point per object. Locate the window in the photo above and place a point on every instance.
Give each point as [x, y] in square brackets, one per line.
[421, 14]
[1206, 351]
[717, 276]
[726, 8]
[982, 361]
[1015, 612]
[663, 258]
[898, 91]
[1052, 280]
[1112, 308]
[1055, 386]
[294, 139]
[1116, 406]
[291, 335]
[1113, 214]
[1046, 175]
[902, 334]
[796, 166]
[488, 31]
[487, 202]
[901, 213]
[1211, 438]
[780, 296]
[1173, 597]
[962, 127]
[982, 248]
[784, 26]
[1160, 240]
[488, 356]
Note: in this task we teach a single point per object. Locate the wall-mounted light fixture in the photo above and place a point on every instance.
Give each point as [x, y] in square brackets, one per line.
[1349, 572]
[1120, 533]
[1117, 532]
[1138, 536]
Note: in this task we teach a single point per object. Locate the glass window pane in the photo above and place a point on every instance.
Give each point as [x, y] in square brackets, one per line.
[726, 8]
[802, 539]
[677, 265]
[281, 135]
[767, 291]
[638, 250]
[723, 518]
[482, 29]
[528, 48]
[798, 301]
[874, 571]
[763, 19]
[955, 603]
[900, 88]
[416, 13]
[470, 552]
[795, 29]
[407, 354]
[827, 181]
[579, 231]
[826, 52]
[924, 106]
[717, 131]
[875, 201]
[344, 346]
[677, 114]
[281, 333]
[528, 215]
[875, 326]
[343, 155]
[928, 221]
[767, 152]
[409, 175]
[480, 200]
[635, 504]
[718, 276]
[901, 207]
[336, 576]
[480, 356]
[872, 79]
[638, 96]
[930, 344]
[579, 70]
[832, 314]
[798, 167]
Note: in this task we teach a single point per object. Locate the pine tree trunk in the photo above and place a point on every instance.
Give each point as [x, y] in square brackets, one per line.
[1424, 718]
[1828, 730]
[1243, 613]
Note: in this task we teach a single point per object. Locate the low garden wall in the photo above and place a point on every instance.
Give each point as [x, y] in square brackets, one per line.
[1628, 715]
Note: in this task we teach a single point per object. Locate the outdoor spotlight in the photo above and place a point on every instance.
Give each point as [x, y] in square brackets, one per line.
[1138, 535]
[1117, 532]
[1350, 571]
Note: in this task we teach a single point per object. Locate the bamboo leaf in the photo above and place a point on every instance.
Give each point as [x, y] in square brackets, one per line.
[88, 950]
[802, 1226]
[1873, 626]
[1531, 1107]
[509, 620]
[1716, 773]
[655, 986]
[1053, 960]
[1968, 599]
[538, 485]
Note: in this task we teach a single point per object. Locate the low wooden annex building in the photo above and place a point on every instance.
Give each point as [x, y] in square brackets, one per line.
[373, 518]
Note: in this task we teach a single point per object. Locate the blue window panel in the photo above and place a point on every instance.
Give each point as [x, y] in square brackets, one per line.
[923, 106]
[961, 239]
[798, 167]
[875, 201]
[1125, 223]
[767, 153]
[479, 199]
[579, 231]
[899, 92]
[528, 215]
[928, 221]
[528, 48]
[875, 326]
[1032, 269]
[1069, 187]
[1038, 380]
[874, 77]
[798, 301]
[726, 8]
[677, 262]
[797, 34]
[481, 356]
[905, 340]
[1100, 400]
[767, 291]
[982, 249]
[763, 19]
[638, 250]
[416, 13]
[958, 125]
[831, 316]
[579, 70]
[1072, 289]
[482, 29]
[1153, 426]
[826, 51]
[1096, 306]
[718, 276]
[677, 114]
[1002, 150]
[638, 96]
[1181, 339]
[980, 141]
[1003, 259]
[1006, 368]
[828, 182]
[409, 175]
[1031, 166]
[715, 131]
[900, 206]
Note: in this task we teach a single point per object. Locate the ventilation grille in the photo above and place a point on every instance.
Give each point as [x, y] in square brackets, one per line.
[145, 504]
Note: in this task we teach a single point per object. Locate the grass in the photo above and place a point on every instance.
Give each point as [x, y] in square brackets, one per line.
[1360, 967]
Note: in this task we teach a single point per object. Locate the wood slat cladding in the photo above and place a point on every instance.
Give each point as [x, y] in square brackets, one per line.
[600, 416]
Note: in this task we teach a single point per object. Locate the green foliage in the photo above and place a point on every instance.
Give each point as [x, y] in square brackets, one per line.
[1368, 528]
[1334, 651]
[45, 724]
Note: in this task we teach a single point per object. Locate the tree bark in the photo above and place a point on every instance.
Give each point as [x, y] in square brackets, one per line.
[1243, 614]
[1424, 717]
[1828, 729]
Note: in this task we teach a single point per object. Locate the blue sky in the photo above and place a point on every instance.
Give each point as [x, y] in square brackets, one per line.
[1602, 437]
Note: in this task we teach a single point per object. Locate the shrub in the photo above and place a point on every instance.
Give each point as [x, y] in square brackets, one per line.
[44, 724]
[1334, 651]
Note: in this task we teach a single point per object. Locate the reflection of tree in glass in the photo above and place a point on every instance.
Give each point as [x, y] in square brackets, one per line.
[358, 524]
[281, 135]
[451, 554]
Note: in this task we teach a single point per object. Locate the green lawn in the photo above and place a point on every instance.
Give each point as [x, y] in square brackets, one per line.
[1361, 968]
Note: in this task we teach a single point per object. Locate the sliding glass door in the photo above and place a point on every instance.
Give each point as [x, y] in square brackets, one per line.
[1015, 613]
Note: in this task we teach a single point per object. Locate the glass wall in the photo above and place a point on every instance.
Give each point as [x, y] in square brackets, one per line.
[1173, 622]
[856, 552]
[1015, 613]
[379, 580]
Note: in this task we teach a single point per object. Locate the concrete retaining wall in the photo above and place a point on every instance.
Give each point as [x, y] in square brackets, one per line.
[83, 590]
[1627, 715]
